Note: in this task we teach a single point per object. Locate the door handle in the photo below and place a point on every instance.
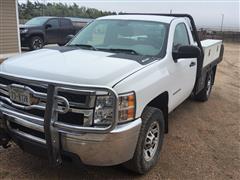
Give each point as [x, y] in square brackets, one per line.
[192, 64]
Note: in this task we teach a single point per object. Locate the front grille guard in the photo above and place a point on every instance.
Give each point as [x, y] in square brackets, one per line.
[43, 96]
[52, 127]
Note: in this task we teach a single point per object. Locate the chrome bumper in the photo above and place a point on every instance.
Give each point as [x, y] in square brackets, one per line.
[112, 148]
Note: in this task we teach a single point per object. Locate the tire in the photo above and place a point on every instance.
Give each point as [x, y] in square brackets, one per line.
[36, 42]
[145, 156]
[204, 94]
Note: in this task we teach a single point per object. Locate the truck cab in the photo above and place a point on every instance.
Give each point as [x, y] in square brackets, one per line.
[105, 96]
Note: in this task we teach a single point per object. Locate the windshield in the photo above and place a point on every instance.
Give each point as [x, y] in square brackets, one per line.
[140, 37]
[37, 21]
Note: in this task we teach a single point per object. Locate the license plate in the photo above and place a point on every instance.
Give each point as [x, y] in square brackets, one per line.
[20, 96]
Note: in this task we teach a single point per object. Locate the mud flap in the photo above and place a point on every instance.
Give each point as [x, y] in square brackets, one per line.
[4, 137]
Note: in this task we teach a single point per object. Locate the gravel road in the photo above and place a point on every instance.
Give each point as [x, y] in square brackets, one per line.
[203, 142]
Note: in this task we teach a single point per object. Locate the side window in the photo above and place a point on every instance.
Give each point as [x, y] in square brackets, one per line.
[54, 23]
[65, 23]
[180, 36]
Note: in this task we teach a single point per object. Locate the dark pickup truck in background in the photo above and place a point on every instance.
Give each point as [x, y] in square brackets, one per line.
[43, 30]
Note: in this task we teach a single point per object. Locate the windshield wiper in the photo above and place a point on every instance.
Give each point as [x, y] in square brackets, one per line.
[84, 46]
[130, 51]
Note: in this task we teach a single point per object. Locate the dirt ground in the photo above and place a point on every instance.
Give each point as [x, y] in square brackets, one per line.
[203, 142]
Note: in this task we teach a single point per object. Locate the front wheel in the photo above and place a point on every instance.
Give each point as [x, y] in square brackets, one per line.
[149, 143]
[36, 42]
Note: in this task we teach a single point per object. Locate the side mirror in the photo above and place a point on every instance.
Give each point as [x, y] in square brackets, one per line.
[48, 26]
[186, 52]
[67, 39]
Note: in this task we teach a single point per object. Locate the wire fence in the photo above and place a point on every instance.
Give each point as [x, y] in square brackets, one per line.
[219, 28]
[233, 36]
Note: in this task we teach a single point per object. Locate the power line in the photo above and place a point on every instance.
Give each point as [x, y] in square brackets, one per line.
[222, 22]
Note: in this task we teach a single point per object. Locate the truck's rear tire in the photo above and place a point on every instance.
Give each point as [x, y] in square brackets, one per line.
[149, 142]
[204, 94]
[36, 42]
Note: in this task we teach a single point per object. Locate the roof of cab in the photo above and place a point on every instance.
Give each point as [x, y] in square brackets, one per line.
[163, 19]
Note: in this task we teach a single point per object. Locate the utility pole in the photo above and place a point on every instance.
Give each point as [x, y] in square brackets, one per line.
[43, 6]
[170, 11]
[222, 22]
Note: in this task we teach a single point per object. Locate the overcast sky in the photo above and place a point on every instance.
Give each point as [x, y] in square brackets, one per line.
[206, 13]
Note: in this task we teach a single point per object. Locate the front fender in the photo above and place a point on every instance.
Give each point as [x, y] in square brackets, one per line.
[147, 83]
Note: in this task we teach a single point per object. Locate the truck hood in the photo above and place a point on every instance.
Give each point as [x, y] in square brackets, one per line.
[71, 66]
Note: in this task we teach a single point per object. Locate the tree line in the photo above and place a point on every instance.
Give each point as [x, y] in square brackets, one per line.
[29, 10]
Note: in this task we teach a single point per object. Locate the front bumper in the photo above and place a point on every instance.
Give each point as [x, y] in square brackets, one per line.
[24, 40]
[112, 148]
[108, 149]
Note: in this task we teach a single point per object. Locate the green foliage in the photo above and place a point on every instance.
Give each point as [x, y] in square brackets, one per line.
[30, 10]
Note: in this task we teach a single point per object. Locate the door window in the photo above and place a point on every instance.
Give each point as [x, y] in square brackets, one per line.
[65, 23]
[181, 37]
[54, 23]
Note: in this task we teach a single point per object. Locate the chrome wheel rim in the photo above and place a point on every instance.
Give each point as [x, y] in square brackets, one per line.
[37, 44]
[151, 141]
[209, 83]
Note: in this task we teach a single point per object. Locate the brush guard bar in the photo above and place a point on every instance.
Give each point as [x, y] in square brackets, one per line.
[52, 127]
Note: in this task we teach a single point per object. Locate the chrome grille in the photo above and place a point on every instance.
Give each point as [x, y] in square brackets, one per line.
[80, 112]
[71, 102]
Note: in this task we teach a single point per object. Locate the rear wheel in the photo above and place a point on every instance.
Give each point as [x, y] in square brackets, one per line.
[205, 93]
[36, 42]
[149, 143]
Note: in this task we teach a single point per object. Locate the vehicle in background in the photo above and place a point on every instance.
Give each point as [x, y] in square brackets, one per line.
[43, 30]
[80, 22]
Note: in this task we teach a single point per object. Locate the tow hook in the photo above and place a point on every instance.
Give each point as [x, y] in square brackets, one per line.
[4, 137]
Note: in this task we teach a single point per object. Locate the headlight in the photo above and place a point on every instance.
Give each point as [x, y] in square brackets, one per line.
[104, 109]
[22, 31]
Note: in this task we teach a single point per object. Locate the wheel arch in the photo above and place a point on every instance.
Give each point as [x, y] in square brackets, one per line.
[38, 34]
[161, 102]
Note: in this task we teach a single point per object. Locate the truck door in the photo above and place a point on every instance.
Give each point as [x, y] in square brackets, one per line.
[184, 70]
[52, 31]
[66, 29]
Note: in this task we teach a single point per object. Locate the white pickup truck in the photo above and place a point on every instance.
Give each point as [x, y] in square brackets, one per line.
[104, 98]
